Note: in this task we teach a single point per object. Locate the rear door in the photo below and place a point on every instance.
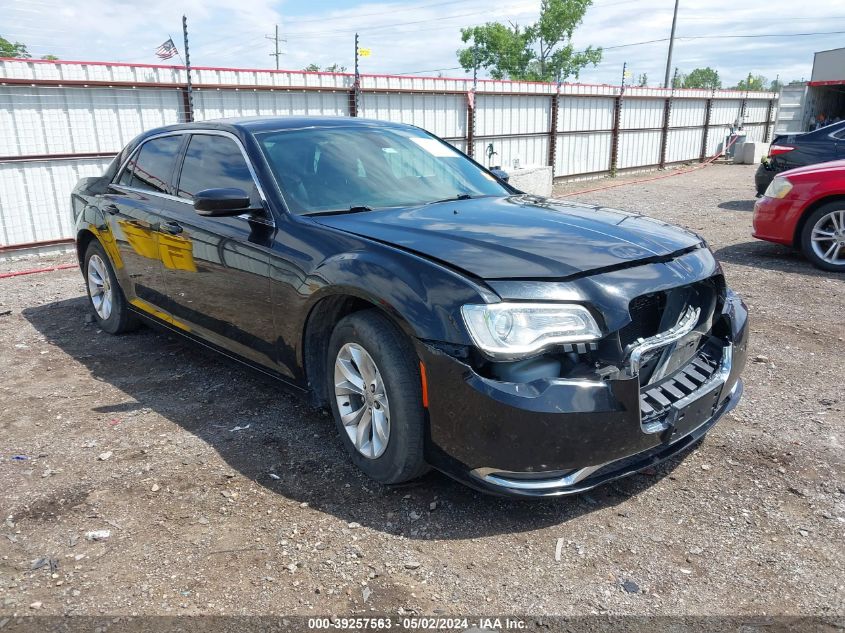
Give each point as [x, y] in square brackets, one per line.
[217, 270]
[133, 207]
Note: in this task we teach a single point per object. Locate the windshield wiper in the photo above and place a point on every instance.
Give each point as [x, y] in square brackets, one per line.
[361, 208]
[460, 196]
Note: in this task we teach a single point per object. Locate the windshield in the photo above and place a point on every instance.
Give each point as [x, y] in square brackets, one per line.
[360, 168]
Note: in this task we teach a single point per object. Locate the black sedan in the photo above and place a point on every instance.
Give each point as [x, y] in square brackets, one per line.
[789, 151]
[523, 345]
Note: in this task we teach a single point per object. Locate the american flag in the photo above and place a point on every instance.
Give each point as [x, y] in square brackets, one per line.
[167, 50]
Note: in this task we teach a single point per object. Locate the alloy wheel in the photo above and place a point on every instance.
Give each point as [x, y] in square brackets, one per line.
[362, 400]
[828, 237]
[99, 287]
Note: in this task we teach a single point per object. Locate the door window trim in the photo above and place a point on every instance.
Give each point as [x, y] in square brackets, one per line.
[180, 161]
[119, 174]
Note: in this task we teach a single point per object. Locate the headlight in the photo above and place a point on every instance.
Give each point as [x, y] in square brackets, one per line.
[778, 188]
[514, 330]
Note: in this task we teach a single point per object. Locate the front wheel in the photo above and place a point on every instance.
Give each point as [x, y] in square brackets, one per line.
[823, 237]
[376, 397]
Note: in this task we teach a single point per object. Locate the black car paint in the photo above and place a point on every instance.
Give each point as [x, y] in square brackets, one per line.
[819, 146]
[256, 286]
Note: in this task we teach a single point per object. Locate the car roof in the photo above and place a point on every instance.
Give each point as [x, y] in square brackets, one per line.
[271, 123]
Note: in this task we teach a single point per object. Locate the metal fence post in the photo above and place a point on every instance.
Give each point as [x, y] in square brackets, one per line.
[664, 139]
[470, 123]
[553, 131]
[706, 136]
[353, 100]
[769, 114]
[186, 105]
[614, 135]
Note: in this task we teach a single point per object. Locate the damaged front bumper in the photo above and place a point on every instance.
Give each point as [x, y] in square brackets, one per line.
[560, 436]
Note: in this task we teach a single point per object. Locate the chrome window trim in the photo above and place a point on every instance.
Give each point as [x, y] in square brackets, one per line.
[269, 220]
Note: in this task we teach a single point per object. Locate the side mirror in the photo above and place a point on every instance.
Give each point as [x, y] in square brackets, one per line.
[221, 202]
[499, 173]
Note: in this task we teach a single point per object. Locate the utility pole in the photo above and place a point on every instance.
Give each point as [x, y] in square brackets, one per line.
[276, 40]
[189, 110]
[671, 46]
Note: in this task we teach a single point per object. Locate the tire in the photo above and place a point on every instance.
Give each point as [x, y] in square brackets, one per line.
[397, 376]
[827, 219]
[762, 179]
[111, 311]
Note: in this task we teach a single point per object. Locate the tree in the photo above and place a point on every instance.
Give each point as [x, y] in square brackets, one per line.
[702, 78]
[776, 85]
[49, 58]
[642, 80]
[334, 68]
[8, 49]
[18, 50]
[752, 82]
[540, 52]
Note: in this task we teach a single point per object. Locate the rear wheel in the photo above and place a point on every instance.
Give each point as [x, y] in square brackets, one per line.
[376, 397]
[104, 294]
[823, 237]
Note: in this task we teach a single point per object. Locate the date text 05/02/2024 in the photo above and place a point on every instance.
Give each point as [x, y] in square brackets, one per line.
[417, 623]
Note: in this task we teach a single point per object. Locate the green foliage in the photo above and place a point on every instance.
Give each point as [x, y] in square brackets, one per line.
[701, 78]
[776, 85]
[752, 82]
[50, 58]
[334, 68]
[540, 52]
[642, 80]
[8, 49]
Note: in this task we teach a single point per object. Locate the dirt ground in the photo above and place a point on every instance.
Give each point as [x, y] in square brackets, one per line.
[224, 495]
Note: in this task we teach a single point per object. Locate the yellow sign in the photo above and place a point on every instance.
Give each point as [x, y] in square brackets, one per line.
[364, 52]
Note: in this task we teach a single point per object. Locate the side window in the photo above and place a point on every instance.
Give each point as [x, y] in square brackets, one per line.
[151, 167]
[214, 162]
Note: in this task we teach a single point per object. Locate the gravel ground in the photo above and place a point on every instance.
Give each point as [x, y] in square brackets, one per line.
[222, 494]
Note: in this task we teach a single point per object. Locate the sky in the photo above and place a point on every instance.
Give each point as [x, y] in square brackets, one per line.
[421, 37]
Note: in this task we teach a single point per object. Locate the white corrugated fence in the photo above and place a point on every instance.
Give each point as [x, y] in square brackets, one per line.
[60, 121]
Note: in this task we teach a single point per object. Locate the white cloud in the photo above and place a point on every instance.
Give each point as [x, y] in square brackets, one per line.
[424, 35]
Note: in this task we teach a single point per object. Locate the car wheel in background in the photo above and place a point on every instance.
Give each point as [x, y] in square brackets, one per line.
[104, 294]
[823, 237]
[376, 398]
[763, 178]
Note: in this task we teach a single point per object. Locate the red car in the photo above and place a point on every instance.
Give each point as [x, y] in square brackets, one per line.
[805, 208]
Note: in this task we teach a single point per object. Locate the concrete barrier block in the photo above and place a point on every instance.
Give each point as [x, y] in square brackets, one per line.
[752, 152]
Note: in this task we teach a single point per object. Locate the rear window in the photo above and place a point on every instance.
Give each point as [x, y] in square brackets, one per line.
[150, 168]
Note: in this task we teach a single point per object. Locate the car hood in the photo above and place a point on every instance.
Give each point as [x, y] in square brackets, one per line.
[520, 237]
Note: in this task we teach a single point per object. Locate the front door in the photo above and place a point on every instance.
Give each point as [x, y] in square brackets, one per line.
[217, 269]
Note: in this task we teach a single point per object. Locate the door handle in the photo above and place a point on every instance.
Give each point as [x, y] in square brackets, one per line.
[174, 228]
[111, 209]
